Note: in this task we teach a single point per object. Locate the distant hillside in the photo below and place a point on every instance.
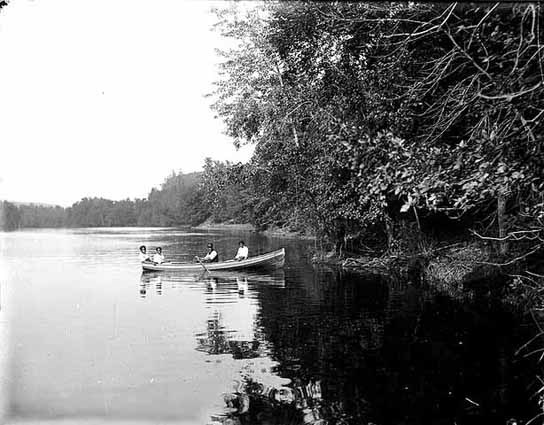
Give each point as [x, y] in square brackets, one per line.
[33, 204]
[177, 202]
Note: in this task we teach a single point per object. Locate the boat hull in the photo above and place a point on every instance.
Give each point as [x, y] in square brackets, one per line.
[271, 260]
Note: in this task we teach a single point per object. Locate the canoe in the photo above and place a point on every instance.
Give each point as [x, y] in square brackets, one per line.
[271, 260]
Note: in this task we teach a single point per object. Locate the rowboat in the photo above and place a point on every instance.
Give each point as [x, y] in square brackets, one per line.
[270, 260]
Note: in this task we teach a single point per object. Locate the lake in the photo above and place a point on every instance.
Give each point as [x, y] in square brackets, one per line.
[86, 337]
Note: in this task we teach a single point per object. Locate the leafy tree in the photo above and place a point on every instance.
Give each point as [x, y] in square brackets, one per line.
[10, 216]
[364, 114]
[225, 191]
[177, 202]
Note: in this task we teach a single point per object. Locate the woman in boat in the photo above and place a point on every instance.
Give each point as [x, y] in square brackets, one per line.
[158, 258]
[211, 255]
[242, 252]
[143, 256]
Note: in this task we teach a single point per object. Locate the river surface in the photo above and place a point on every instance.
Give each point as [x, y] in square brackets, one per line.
[86, 337]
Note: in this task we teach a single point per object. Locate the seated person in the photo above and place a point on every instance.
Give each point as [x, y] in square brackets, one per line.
[242, 252]
[211, 255]
[158, 258]
[142, 256]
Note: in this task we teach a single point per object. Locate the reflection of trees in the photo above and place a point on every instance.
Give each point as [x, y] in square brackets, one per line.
[337, 336]
[231, 329]
[393, 353]
[341, 321]
[216, 341]
[257, 403]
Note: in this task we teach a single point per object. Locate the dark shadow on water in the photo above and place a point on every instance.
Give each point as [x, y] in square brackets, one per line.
[391, 353]
[363, 349]
[257, 403]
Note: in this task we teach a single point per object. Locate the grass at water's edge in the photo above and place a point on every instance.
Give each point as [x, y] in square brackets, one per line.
[452, 265]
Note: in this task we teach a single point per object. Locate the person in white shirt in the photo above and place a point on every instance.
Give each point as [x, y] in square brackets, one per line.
[211, 255]
[143, 256]
[242, 252]
[158, 258]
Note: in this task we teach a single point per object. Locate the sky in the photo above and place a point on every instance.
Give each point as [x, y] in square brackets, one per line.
[106, 98]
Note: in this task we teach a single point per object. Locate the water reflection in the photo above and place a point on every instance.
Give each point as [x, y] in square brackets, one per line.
[243, 284]
[352, 349]
[225, 279]
[302, 346]
[150, 281]
[388, 352]
[231, 299]
[255, 402]
[218, 339]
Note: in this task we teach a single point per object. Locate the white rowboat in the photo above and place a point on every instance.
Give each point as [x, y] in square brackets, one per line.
[270, 260]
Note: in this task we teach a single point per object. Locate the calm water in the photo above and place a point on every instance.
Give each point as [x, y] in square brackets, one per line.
[87, 338]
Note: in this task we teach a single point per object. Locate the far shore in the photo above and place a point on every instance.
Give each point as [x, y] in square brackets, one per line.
[278, 232]
[244, 227]
[226, 226]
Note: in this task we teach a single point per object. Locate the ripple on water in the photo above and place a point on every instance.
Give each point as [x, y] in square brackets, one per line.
[91, 336]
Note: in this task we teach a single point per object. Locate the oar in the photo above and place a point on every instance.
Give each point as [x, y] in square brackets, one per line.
[202, 264]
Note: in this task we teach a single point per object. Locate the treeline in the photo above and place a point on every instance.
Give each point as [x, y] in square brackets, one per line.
[370, 121]
[368, 117]
[177, 202]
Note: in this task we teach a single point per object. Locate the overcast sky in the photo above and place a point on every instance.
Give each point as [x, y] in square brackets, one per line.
[105, 97]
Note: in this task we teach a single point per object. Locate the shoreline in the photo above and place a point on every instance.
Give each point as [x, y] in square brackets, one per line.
[246, 227]
[275, 232]
[461, 269]
[226, 226]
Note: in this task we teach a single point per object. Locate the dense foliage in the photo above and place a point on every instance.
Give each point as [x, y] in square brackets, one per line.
[367, 118]
[177, 202]
[366, 115]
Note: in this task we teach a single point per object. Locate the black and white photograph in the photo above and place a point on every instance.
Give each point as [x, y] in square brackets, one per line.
[225, 212]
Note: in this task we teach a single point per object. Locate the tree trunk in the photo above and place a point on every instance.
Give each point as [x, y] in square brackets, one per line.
[295, 135]
[501, 204]
[389, 232]
[419, 244]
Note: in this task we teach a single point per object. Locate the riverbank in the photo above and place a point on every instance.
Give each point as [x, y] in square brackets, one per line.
[208, 225]
[468, 265]
[454, 268]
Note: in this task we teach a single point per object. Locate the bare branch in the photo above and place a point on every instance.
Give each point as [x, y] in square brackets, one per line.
[538, 335]
[437, 27]
[515, 260]
[490, 11]
[511, 96]
[465, 53]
